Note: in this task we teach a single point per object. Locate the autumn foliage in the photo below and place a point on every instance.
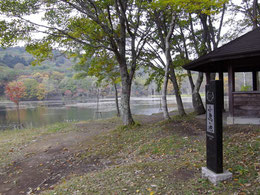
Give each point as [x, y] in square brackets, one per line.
[15, 91]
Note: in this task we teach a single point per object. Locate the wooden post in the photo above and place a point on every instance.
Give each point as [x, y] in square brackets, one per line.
[221, 78]
[207, 77]
[231, 89]
[255, 80]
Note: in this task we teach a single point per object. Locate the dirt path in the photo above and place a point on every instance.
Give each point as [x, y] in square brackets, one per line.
[51, 158]
[56, 156]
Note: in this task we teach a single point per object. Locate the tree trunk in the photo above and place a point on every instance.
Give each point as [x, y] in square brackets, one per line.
[255, 22]
[125, 98]
[167, 53]
[190, 80]
[18, 115]
[177, 92]
[126, 80]
[116, 99]
[164, 96]
[196, 98]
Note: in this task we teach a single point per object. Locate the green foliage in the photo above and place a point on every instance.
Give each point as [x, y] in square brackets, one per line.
[179, 61]
[33, 90]
[41, 92]
[41, 51]
[102, 65]
[98, 32]
[11, 61]
[246, 88]
[6, 75]
[10, 32]
[58, 127]
[250, 19]
[51, 76]
[157, 77]
[68, 84]
[194, 6]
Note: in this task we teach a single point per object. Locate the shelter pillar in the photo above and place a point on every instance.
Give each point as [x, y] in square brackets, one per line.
[207, 77]
[221, 78]
[255, 81]
[231, 89]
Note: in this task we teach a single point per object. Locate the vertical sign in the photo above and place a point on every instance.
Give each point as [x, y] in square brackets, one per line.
[210, 118]
[214, 105]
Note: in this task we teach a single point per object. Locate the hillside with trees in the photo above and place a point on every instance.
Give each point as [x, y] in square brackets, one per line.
[54, 78]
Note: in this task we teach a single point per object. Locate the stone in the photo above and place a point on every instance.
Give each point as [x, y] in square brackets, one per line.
[215, 178]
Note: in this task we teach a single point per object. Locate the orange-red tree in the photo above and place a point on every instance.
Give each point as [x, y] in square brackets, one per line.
[15, 91]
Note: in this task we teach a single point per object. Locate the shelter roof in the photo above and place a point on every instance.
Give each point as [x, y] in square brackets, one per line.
[242, 53]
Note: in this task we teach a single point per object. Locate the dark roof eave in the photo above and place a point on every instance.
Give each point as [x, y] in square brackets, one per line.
[194, 64]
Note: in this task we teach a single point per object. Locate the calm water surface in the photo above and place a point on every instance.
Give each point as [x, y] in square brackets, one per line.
[36, 115]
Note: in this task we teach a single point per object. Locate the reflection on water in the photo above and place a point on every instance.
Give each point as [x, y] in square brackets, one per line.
[44, 115]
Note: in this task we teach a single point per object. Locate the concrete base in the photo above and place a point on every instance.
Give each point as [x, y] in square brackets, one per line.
[241, 120]
[215, 178]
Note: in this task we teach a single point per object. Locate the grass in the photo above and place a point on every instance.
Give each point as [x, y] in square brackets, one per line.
[166, 158]
[161, 158]
[12, 142]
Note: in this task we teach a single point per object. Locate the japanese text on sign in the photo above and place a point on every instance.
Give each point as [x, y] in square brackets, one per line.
[210, 118]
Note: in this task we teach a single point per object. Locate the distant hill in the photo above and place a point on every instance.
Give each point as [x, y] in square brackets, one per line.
[15, 63]
[18, 56]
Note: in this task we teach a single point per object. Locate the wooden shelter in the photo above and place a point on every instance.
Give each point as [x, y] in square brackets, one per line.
[239, 55]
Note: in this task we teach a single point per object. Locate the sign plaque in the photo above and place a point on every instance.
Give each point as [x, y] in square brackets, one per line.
[210, 118]
[214, 105]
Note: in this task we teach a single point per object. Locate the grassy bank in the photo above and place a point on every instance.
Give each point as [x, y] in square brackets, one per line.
[13, 142]
[165, 158]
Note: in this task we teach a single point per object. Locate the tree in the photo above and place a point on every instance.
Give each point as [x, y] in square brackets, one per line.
[19, 66]
[105, 68]
[251, 13]
[15, 91]
[164, 16]
[199, 32]
[11, 61]
[208, 41]
[6, 75]
[117, 26]
[168, 18]
[33, 89]
[41, 92]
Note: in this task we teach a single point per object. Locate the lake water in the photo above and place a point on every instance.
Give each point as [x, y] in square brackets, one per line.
[36, 114]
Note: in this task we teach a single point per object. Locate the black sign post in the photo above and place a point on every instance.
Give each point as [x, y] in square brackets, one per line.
[214, 105]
